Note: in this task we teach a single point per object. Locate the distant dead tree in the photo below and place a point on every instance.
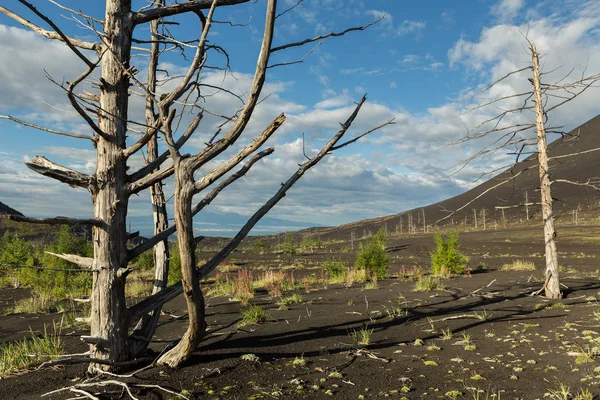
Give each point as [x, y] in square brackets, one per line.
[524, 135]
[112, 184]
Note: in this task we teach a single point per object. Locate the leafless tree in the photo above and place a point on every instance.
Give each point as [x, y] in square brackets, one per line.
[529, 137]
[112, 185]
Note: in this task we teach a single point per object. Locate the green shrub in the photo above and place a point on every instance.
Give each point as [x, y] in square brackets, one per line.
[289, 247]
[447, 258]
[336, 270]
[49, 283]
[373, 257]
[259, 246]
[145, 260]
[15, 251]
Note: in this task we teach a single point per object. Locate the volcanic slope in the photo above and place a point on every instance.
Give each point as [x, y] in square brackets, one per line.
[582, 141]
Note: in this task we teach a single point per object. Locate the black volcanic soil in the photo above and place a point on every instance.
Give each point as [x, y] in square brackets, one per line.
[522, 343]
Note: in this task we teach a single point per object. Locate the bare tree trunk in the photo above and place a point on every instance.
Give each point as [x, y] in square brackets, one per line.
[108, 314]
[552, 285]
[483, 218]
[147, 326]
[527, 206]
[475, 218]
[189, 278]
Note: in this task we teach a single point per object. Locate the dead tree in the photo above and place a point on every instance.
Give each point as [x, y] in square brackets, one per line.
[146, 327]
[112, 184]
[524, 135]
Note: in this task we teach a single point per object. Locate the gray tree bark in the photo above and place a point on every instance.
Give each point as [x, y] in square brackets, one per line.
[552, 285]
[108, 313]
[147, 325]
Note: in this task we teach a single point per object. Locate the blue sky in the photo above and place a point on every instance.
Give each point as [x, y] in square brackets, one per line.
[416, 66]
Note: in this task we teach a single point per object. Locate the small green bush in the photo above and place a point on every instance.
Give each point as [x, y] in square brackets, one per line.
[145, 261]
[260, 246]
[373, 257]
[336, 270]
[447, 258]
[289, 247]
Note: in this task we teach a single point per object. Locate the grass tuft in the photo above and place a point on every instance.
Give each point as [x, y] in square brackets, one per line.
[253, 315]
[21, 355]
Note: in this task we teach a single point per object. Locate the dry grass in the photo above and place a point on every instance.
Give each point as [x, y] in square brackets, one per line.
[519, 265]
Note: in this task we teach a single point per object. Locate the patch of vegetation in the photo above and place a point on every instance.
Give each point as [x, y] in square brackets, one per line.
[275, 282]
[448, 259]
[446, 334]
[51, 276]
[40, 303]
[20, 355]
[414, 273]
[372, 284]
[562, 392]
[373, 257]
[253, 315]
[429, 283]
[356, 276]
[174, 264]
[253, 358]
[362, 336]
[283, 303]
[240, 286]
[519, 265]
[289, 246]
[398, 308]
[260, 246]
[299, 362]
[336, 270]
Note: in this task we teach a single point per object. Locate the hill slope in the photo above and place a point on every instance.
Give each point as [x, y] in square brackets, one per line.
[4, 209]
[512, 194]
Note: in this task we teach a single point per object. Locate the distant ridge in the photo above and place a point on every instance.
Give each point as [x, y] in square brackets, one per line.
[4, 209]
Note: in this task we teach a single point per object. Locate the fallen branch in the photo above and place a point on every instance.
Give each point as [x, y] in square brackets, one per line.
[479, 290]
[85, 360]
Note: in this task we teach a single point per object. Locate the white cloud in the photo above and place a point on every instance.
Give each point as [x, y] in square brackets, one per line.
[507, 10]
[404, 28]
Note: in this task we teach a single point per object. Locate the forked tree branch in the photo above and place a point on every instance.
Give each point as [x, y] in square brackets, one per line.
[142, 178]
[227, 166]
[148, 244]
